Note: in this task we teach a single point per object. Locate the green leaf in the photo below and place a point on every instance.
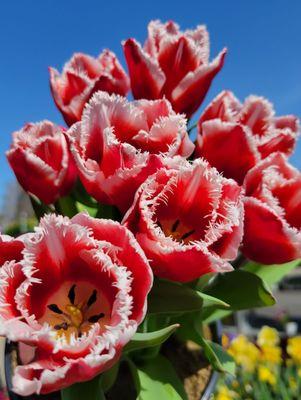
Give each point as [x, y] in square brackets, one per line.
[218, 357]
[210, 301]
[108, 377]
[241, 290]
[271, 274]
[172, 298]
[150, 339]
[157, 380]
[190, 329]
[92, 211]
[212, 315]
[90, 390]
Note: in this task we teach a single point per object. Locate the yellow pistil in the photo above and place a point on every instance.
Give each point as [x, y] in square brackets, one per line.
[72, 319]
[75, 314]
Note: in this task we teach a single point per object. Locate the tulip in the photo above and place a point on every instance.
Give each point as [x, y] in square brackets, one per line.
[234, 137]
[188, 221]
[76, 298]
[82, 76]
[174, 64]
[41, 161]
[118, 144]
[272, 230]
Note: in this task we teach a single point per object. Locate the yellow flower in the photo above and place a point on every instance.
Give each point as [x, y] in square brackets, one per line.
[294, 348]
[245, 353]
[271, 354]
[225, 393]
[292, 383]
[225, 341]
[268, 337]
[265, 375]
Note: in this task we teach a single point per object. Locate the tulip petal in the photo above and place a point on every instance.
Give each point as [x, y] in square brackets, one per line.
[191, 91]
[131, 255]
[229, 147]
[267, 237]
[147, 78]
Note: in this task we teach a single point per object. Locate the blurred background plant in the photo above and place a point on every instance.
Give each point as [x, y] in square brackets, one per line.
[267, 368]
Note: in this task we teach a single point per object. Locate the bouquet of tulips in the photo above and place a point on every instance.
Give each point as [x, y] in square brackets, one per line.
[265, 370]
[144, 234]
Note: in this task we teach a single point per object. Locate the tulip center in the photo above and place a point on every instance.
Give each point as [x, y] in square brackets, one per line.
[177, 230]
[73, 310]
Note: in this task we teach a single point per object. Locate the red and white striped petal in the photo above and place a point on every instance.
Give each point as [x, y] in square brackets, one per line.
[188, 216]
[147, 78]
[188, 95]
[118, 144]
[229, 147]
[268, 238]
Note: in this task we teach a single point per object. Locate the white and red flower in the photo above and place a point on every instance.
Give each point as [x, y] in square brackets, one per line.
[233, 137]
[174, 64]
[272, 229]
[118, 144]
[76, 297]
[82, 76]
[10, 249]
[188, 221]
[41, 161]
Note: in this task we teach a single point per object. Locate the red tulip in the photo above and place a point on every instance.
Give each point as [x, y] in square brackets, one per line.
[233, 137]
[188, 221]
[41, 161]
[174, 64]
[76, 297]
[272, 232]
[118, 144]
[82, 76]
[10, 249]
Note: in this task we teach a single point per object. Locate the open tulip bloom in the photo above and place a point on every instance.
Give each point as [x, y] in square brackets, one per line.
[143, 236]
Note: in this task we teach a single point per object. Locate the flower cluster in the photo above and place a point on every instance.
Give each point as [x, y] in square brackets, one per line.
[156, 203]
[273, 369]
[91, 279]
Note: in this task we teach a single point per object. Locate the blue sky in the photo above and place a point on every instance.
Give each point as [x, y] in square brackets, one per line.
[263, 38]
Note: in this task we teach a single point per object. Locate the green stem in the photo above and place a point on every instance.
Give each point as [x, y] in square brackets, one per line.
[66, 206]
[79, 194]
[39, 208]
[90, 390]
[108, 212]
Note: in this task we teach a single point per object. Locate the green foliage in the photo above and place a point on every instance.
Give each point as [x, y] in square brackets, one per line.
[173, 298]
[157, 380]
[271, 274]
[150, 339]
[240, 289]
[90, 390]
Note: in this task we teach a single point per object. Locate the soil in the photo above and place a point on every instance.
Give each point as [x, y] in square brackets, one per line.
[190, 365]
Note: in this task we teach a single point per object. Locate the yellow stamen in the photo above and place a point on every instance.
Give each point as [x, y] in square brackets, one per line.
[76, 315]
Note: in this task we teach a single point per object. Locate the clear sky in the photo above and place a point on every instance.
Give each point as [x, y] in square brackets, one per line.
[263, 38]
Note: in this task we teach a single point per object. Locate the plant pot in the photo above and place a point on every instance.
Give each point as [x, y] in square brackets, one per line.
[12, 360]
